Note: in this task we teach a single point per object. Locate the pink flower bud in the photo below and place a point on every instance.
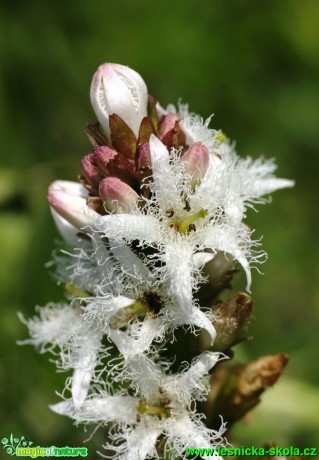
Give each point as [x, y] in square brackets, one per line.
[68, 199]
[144, 159]
[168, 124]
[117, 195]
[196, 161]
[103, 155]
[118, 89]
[90, 170]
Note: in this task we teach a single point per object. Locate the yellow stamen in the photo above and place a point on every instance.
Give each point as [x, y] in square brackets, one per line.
[221, 137]
[143, 408]
[184, 226]
[73, 290]
[127, 314]
[137, 306]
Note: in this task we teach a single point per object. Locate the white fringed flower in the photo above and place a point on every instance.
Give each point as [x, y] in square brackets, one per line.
[125, 293]
[161, 409]
[187, 227]
[61, 330]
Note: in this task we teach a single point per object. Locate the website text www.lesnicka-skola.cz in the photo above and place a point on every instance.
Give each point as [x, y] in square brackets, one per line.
[255, 451]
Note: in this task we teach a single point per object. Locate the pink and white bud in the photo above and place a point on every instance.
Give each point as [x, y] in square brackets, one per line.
[117, 195]
[68, 232]
[118, 89]
[68, 200]
[196, 161]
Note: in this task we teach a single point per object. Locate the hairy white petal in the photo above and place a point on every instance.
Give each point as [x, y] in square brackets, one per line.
[167, 192]
[130, 263]
[63, 408]
[265, 186]
[227, 240]
[147, 375]
[128, 346]
[84, 368]
[141, 442]
[178, 260]
[100, 310]
[55, 326]
[185, 433]
[198, 318]
[130, 227]
[119, 409]
[201, 258]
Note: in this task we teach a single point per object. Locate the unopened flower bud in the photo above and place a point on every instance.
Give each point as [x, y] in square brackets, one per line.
[196, 161]
[68, 199]
[168, 124]
[118, 89]
[68, 232]
[103, 155]
[144, 159]
[117, 195]
[90, 170]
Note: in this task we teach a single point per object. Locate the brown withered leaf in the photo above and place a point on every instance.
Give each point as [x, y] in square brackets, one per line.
[235, 390]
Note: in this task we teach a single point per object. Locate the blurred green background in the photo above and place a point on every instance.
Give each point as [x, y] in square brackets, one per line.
[256, 66]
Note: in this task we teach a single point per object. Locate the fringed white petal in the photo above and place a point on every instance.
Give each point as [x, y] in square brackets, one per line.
[199, 319]
[118, 409]
[63, 408]
[178, 258]
[141, 442]
[129, 262]
[270, 185]
[128, 346]
[186, 433]
[202, 258]
[121, 227]
[84, 368]
[55, 325]
[225, 239]
[167, 192]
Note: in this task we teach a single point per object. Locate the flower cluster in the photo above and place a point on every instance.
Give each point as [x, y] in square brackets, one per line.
[156, 217]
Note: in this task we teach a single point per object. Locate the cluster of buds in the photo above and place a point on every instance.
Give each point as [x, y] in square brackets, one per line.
[156, 226]
[116, 173]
